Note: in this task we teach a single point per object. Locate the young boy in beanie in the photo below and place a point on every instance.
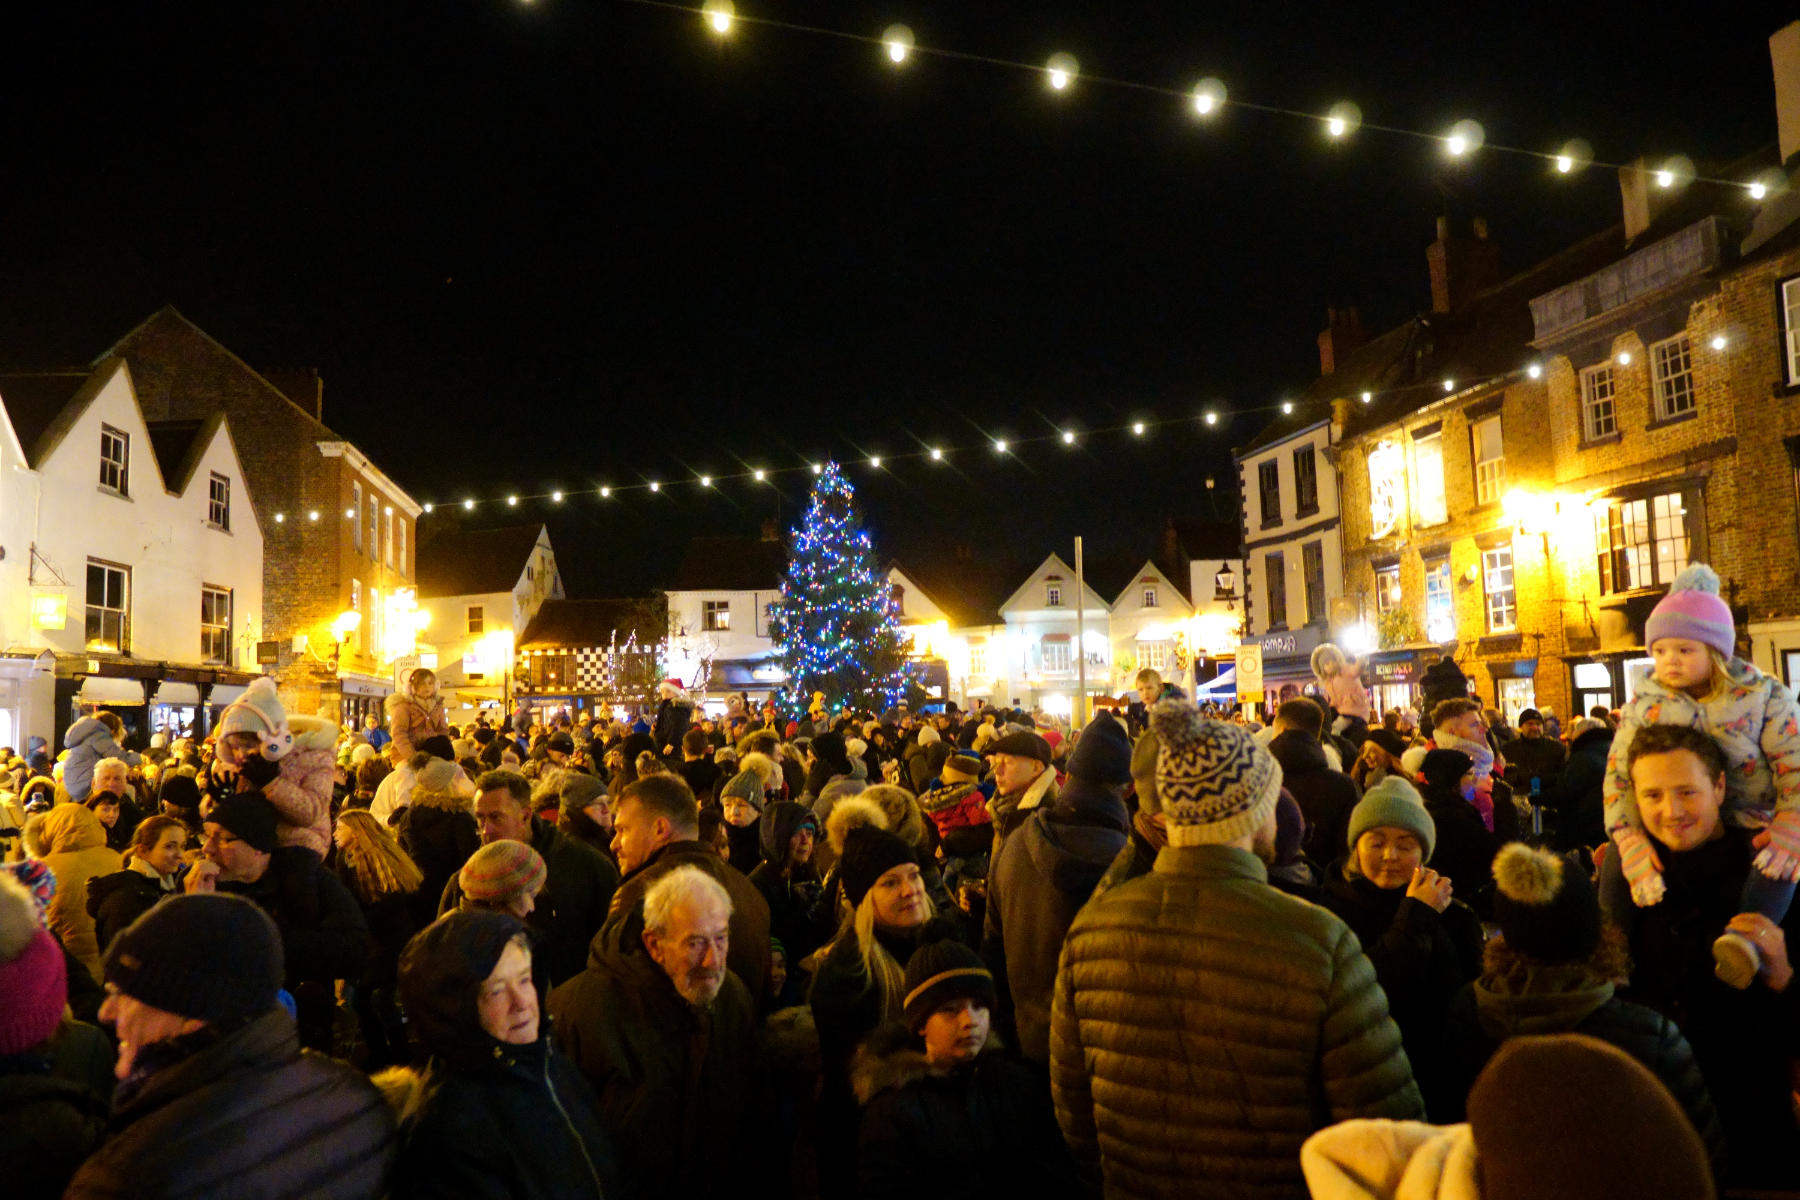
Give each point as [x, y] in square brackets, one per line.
[289, 759]
[1697, 680]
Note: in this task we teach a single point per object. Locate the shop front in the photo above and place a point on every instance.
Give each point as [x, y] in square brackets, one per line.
[149, 697]
[1604, 680]
[1515, 686]
[1392, 676]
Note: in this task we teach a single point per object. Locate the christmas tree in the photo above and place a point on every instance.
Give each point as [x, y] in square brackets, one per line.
[834, 624]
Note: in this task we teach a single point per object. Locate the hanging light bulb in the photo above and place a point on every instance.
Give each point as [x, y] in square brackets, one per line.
[706, 481]
[1564, 163]
[875, 462]
[1449, 385]
[605, 493]
[428, 509]
[818, 469]
[937, 455]
[468, 505]
[655, 487]
[280, 518]
[760, 475]
[1208, 97]
[897, 40]
[512, 502]
[1718, 342]
[1137, 429]
[556, 497]
[313, 515]
[1061, 71]
[1534, 370]
[1465, 138]
[1000, 446]
[1287, 407]
[1367, 396]
[1211, 418]
[1758, 190]
[1574, 156]
[719, 15]
[1624, 358]
[349, 514]
[1068, 437]
[1343, 119]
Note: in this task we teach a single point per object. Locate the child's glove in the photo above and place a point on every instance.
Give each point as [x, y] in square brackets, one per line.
[1643, 870]
[259, 770]
[1780, 854]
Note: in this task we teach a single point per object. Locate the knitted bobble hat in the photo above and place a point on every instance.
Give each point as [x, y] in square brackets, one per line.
[259, 711]
[1545, 909]
[1694, 610]
[869, 853]
[175, 958]
[502, 870]
[1213, 782]
[747, 786]
[33, 981]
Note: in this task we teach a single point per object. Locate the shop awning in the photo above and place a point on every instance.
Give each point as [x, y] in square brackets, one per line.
[224, 693]
[171, 692]
[1224, 685]
[108, 689]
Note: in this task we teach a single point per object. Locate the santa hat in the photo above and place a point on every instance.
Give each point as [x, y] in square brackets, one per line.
[259, 711]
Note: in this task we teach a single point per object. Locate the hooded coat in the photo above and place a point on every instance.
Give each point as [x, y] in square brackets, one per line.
[74, 843]
[1579, 797]
[439, 831]
[790, 893]
[487, 1119]
[678, 1086]
[1036, 885]
[977, 1131]
[246, 1114]
[116, 900]
[1327, 797]
[88, 741]
[410, 722]
[1261, 1023]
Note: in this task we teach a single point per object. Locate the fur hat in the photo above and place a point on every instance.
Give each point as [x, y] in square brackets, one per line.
[438, 775]
[852, 812]
[1638, 1143]
[1545, 908]
[945, 970]
[1693, 610]
[1394, 804]
[1213, 783]
[869, 853]
[1413, 761]
[33, 980]
[259, 711]
[1103, 753]
[170, 958]
[501, 870]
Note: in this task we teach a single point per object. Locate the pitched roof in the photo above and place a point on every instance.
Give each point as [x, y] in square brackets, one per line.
[968, 589]
[730, 564]
[475, 562]
[33, 402]
[572, 623]
[179, 446]
[1203, 538]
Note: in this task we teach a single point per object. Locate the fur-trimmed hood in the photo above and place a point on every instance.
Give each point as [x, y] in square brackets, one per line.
[892, 1058]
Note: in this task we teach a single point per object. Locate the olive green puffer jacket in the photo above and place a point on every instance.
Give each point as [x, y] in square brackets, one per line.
[1204, 1024]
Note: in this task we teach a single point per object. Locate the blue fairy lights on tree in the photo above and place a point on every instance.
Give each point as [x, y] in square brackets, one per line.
[834, 624]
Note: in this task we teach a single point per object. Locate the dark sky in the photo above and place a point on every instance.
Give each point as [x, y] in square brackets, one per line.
[581, 241]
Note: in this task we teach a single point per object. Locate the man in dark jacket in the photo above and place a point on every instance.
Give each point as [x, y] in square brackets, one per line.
[216, 1098]
[579, 881]
[1325, 796]
[1254, 995]
[1023, 779]
[1579, 798]
[667, 1036]
[1531, 756]
[324, 936]
[656, 828]
[1046, 872]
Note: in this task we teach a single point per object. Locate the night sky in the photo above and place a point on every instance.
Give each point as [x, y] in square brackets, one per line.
[583, 241]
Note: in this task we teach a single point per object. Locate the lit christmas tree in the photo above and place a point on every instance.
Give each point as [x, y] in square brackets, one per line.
[834, 624]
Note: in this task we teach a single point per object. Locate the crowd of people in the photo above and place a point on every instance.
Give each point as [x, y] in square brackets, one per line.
[1177, 952]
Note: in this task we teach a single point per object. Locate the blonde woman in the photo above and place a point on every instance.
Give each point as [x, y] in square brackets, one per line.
[385, 880]
[860, 983]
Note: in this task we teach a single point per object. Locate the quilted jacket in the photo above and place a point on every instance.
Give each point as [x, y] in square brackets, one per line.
[1204, 1024]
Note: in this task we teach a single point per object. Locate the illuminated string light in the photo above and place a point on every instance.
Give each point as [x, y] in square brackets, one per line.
[349, 514]
[1534, 370]
[706, 481]
[1343, 119]
[760, 475]
[428, 509]
[1718, 342]
[280, 518]
[1758, 190]
[313, 515]
[1137, 429]
[1068, 437]
[512, 502]
[999, 447]
[817, 469]
[1564, 163]
[875, 462]
[1465, 138]
[1449, 385]
[719, 14]
[656, 487]
[556, 497]
[468, 505]
[1061, 71]
[898, 41]
[1208, 97]
[1624, 358]
[1287, 408]
[1211, 418]
[1665, 178]
[605, 493]
[1367, 396]
[937, 455]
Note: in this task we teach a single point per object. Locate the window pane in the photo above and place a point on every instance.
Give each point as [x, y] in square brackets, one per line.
[1428, 457]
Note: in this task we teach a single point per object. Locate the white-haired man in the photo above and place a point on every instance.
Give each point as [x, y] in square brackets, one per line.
[668, 1039]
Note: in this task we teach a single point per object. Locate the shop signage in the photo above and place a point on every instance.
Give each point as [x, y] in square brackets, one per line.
[1250, 671]
[1393, 672]
[1294, 641]
[268, 654]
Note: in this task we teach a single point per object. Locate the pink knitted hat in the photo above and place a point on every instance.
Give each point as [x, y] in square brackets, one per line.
[1693, 610]
[33, 986]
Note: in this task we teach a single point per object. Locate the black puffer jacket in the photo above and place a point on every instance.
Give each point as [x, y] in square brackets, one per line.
[1566, 998]
[246, 1115]
[439, 837]
[116, 900]
[48, 1127]
[1421, 959]
[488, 1119]
[1579, 796]
[973, 1132]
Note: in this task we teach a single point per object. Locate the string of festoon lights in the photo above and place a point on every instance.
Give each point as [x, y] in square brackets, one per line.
[935, 455]
[1209, 98]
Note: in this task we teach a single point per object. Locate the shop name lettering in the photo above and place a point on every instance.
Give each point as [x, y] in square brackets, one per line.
[1280, 643]
[1398, 670]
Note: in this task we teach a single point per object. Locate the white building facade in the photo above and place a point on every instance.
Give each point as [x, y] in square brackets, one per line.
[479, 591]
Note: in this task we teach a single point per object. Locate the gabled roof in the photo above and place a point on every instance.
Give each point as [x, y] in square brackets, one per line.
[35, 401]
[1148, 569]
[730, 564]
[179, 446]
[474, 562]
[578, 623]
[1207, 539]
[968, 589]
[1053, 564]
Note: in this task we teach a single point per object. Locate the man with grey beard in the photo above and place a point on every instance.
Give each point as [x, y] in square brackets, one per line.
[668, 1039]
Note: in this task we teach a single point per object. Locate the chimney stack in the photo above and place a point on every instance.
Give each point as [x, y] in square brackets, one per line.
[1784, 56]
[1341, 337]
[1643, 200]
[1460, 266]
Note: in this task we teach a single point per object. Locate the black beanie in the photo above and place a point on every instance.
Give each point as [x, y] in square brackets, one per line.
[942, 971]
[438, 746]
[180, 790]
[1445, 768]
[1102, 753]
[1545, 908]
[210, 957]
[868, 854]
[249, 817]
[829, 748]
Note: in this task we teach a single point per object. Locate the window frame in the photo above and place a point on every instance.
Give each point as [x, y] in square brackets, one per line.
[1443, 597]
[1312, 579]
[222, 629]
[1275, 584]
[1058, 657]
[1268, 490]
[1590, 382]
[218, 502]
[1387, 599]
[1429, 449]
[123, 611]
[1150, 598]
[474, 620]
[387, 537]
[1053, 595]
[356, 497]
[1156, 655]
[1500, 605]
[978, 664]
[1306, 482]
[1618, 553]
[1662, 404]
[122, 465]
[400, 544]
[1787, 309]
[715, 616]
[374, 528]
[1490, 473]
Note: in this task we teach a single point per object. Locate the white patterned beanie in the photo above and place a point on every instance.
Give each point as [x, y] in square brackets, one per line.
[1213, 782]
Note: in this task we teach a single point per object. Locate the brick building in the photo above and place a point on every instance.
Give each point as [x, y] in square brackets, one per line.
[338, 534]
